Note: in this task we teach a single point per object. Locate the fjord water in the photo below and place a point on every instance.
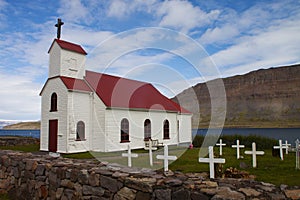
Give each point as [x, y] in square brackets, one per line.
[24, 133]
[289, 134]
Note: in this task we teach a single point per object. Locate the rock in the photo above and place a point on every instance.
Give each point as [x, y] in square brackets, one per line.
[40, 170]
[283, 187]
[59, 193]
[162, 194]
[120, 175]
[142, 184]
[243, 165]
[143, 195]
[209, 191]
[125, 194]
[89, 190]
[210, 183]
[181, 194]
[67, 183]
[226, 193]
[173, 182]
[275, 196]
[94, 179]
[249, 192]
[83, 176]
[169, 173]
[198, 196]
[265, 188]
[293, 194]
[110, 183]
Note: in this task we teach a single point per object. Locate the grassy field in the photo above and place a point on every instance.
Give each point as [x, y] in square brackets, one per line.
[269, 169]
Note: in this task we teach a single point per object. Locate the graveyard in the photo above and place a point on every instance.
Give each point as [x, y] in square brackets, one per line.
[269, 168]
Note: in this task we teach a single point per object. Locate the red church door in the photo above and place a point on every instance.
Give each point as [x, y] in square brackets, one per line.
[53, 129]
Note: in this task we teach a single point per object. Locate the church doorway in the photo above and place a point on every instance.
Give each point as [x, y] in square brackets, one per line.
[53, 129]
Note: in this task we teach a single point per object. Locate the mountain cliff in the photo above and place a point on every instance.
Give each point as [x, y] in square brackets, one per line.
[262, 98]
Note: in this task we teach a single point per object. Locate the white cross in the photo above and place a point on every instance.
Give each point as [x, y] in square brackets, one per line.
[286, 144]
[129, 155]
[280, 147]
[254, 153]
[211, 160]
[150, 148]
[238, 146]
[221, 144]
[297, 153]
[166, 158]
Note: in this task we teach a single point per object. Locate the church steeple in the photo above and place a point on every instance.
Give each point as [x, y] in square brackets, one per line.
[66, 58]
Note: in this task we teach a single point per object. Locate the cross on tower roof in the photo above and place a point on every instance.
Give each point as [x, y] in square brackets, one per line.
[58, 25]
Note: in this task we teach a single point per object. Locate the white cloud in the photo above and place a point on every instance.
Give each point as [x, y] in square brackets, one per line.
[20, 98]
[278, 45]
[182, 15]
[74, 11]
[122, 9]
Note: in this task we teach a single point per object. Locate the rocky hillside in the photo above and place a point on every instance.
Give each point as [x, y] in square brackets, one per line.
[24, 126]
[262, 98]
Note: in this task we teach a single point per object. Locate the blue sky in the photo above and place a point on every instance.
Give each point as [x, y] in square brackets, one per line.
[150, 40]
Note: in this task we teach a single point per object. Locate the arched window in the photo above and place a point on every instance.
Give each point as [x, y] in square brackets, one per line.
[166, 129]
[53, 106]
[80, 131]
[124, 130]
[147, 130]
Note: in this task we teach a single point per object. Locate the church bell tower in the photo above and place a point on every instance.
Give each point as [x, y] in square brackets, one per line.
[66, 58]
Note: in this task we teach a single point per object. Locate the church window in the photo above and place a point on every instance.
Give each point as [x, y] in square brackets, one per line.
[80, 131]
[124, 130]
[166, 129]
[53, 106]
[147, 130]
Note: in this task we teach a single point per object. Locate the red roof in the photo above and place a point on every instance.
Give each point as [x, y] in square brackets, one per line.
[125, 93]
[75, 84]
[68, 46]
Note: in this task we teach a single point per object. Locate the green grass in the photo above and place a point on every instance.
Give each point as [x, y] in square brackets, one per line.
[269, 169]
[24, 148]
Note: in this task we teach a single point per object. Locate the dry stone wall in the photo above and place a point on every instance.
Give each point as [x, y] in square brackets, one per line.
[13, 141]
[32, 176]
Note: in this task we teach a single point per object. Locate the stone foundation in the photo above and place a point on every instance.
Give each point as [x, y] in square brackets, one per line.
[29, 176]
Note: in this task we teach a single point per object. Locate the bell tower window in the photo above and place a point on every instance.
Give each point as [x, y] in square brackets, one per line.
[53, 106]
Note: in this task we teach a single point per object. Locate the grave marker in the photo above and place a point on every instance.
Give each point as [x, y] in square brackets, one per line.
[287, 145]
[238, 146]
[166, 158]
[129, 155]
[221, 144]
[254, 153]
[150, 148]
[211, 160]
[297, 153]
[280, 147]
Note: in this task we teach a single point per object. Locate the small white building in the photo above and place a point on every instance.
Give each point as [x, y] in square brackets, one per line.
[89, 111]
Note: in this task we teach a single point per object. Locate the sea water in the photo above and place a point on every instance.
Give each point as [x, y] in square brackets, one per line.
[289, 134]
[24, 133]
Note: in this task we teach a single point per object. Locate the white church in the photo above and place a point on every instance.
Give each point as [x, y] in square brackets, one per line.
[89, 111]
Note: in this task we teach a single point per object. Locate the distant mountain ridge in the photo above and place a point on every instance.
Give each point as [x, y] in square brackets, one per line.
[262, 98]
[23, 126]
